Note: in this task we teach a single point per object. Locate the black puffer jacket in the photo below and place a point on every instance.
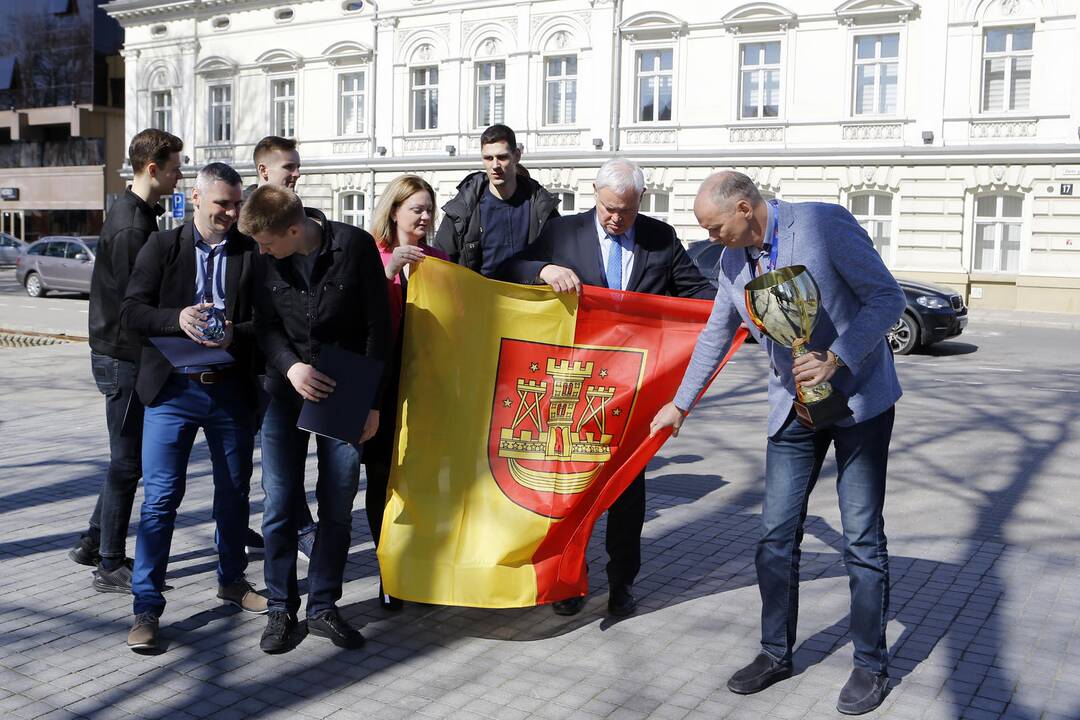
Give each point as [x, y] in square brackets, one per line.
[459, 232]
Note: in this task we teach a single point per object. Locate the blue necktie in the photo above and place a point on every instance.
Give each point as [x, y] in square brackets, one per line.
[614, 264]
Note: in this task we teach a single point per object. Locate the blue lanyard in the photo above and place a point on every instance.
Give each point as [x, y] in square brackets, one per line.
[774, 248]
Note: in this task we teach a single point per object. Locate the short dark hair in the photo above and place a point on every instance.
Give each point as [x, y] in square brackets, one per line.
[269, 144]
[270, 209]
[217, 172]
[152, 146]
[499, 133]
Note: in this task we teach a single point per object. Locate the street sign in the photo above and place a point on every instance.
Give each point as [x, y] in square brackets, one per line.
[178, 205]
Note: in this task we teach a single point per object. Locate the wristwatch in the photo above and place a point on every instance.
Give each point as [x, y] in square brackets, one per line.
[837, 361]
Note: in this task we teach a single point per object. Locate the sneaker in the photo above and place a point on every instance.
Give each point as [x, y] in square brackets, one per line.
[329, 624]
[85, 552]
[863, 692]
[143, 637]
[254, 540]
[242, 594]
[113, 581]
[277, 636]
[305, 541]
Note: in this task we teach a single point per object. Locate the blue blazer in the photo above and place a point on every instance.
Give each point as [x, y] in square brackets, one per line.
[860, 300]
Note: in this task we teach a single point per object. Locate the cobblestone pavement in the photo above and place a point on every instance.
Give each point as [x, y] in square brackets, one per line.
[982, 515]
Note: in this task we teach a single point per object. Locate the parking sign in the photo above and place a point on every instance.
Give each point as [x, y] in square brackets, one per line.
[178, 205]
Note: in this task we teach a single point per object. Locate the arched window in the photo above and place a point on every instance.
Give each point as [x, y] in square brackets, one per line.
[351, 206]
[998, 223]
[874, 213]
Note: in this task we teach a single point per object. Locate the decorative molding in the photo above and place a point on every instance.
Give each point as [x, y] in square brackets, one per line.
[770, 134]
[1002, 129]
[218, 152]
[758, 17]
[350, 147]
[873, 131]
[650, 137]
[560, 139]
[386, 23]
[422, 144]
[876, 12]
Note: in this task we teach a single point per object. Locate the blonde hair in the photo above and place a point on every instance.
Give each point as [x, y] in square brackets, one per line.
[400, 189]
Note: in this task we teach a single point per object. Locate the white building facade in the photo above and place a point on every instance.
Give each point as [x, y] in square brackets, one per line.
[950, 128]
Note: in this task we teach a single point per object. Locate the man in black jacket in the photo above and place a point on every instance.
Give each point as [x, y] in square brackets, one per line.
[114, 353]
[184, 281]
[613, 246]
[322, 285]
[496, 213]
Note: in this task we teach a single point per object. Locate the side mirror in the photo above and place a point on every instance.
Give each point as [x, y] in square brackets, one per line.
[82, 257]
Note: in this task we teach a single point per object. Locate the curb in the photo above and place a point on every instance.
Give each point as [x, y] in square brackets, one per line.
[1057, 321]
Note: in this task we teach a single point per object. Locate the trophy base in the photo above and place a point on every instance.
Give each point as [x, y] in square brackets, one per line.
[822, 414]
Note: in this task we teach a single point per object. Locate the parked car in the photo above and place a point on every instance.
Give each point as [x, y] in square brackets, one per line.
[934, 313]
[11, 248]
[56, 263]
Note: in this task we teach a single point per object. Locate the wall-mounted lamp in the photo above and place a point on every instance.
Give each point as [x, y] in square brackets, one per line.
[927, 137]
[598, 143]
[381, 150]
[451, 150]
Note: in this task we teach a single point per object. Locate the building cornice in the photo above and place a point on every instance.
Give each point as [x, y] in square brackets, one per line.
[137, 12]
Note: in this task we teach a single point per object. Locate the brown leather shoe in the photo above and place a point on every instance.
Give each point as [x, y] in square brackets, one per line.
[143, 637]
[243, 595]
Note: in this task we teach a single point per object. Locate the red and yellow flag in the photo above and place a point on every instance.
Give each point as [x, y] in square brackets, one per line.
[523, 416]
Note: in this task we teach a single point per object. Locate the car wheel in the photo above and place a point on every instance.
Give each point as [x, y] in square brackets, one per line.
[34, 288]
[903, 337]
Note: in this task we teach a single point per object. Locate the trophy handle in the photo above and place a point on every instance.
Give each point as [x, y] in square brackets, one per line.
[811, 393]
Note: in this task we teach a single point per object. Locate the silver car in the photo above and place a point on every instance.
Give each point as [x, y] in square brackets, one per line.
[57, 263]
[11, 248]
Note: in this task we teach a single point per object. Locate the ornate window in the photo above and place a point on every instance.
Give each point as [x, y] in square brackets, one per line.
[560, 90]
[351, 207]
[351, 103]
[655, 71]
[490, 93]
[220, 113]
[759, 80]
[1006, 82]
[874, 213]
[425, 97]
[283, 106]
[161, 110]
[998, 223]
[876, 74]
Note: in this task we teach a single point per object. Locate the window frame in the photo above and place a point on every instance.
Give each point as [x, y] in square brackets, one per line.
[874, 216]
[877, 61]
[212, 107]
[495, 84]
[285, 100]
[361, 123]
[165, 110]
[762, 68]
[361, 212]
[561, 81]
[648, 204]
[426, 88]
[637, 75]
[998, 221]
[1008, 54]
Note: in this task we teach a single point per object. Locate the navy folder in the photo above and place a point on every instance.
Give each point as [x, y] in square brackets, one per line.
[342, 415]
[184, 352]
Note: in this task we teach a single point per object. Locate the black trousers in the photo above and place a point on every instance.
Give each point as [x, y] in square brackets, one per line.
[378, 478]
[625, 519]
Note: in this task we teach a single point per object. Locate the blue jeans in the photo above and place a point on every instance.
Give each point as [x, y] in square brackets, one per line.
[112, 514]
[792, 464]
[284, 454]
[170, 424]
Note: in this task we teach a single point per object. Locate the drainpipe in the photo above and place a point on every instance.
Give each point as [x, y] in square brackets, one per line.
[370, 200]
[616, 76]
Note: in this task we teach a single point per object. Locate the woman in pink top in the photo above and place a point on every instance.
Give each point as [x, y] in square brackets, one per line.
[404, 218]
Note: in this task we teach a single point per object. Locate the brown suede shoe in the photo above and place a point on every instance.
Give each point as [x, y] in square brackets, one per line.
[143, 637]
[242, 594]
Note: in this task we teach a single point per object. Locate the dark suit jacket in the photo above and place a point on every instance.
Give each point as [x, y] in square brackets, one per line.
[661, 265]
[162, 283]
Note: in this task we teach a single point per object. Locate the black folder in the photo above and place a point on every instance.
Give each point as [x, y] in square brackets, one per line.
[185, 352]
[343, 413]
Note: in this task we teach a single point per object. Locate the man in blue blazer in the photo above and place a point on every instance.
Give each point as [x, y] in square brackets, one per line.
[612, 246]
[860, 300]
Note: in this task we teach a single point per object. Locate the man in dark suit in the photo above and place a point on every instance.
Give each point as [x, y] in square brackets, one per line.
[612, 246]
[183, 281]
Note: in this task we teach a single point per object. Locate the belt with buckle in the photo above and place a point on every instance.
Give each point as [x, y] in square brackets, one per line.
[207, 377]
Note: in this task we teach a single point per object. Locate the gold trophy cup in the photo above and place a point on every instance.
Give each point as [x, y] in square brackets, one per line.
[783, 304]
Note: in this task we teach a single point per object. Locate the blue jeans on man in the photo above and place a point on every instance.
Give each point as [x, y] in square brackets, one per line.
[115, 380]
[171, 422]
[792, 463]
[284, 455]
